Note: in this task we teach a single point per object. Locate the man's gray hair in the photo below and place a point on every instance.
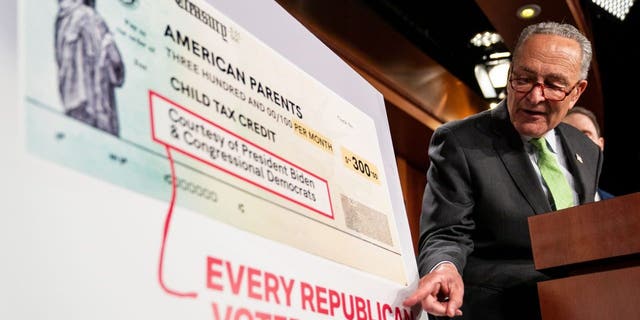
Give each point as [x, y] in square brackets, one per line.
[563, 30]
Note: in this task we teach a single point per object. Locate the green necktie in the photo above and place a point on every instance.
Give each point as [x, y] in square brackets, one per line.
[554, 178]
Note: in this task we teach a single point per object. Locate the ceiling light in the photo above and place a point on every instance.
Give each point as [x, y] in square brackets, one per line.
[484, 82]
[529, 11]
[498, 72]
[499, 55]
[485, 39]
[618, 8]
[492, 77]
[492, 71]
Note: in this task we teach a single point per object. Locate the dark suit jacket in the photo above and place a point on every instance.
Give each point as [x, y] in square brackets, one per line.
[481, 188]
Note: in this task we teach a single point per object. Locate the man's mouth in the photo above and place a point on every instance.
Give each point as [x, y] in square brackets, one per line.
[533, 112]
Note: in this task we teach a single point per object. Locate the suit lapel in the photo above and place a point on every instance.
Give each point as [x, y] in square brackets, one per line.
[575, 163]
[515, 159]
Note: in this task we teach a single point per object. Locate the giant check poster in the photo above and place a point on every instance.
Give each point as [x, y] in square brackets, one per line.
[270, 195]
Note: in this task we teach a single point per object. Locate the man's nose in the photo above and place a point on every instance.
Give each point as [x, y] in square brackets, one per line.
[537, 93]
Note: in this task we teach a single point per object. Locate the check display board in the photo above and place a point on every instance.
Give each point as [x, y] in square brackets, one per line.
[205, 162]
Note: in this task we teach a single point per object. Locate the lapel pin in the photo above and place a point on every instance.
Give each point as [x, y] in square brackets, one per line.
[579, 158]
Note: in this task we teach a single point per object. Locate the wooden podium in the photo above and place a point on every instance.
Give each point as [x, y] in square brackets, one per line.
[592, 252]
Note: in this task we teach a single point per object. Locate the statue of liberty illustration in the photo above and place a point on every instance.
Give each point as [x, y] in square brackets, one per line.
[89, 65]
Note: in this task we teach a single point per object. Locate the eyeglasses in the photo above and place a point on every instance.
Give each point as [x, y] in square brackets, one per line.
[549, 91]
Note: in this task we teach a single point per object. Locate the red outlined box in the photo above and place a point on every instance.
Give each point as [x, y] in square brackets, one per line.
[323, 205]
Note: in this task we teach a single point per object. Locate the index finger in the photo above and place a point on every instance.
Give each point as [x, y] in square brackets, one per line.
[426, 288]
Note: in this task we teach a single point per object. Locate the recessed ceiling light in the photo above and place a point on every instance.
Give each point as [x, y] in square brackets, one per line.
[528, 11]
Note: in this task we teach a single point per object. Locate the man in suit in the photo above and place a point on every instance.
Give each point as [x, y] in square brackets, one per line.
[585, 121]
[485, 180]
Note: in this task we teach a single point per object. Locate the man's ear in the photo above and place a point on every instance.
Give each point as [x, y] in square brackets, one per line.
[601, 144]
[580, 87]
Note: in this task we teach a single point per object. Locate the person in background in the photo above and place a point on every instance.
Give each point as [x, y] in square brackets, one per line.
[493, 170]
[585, 121]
